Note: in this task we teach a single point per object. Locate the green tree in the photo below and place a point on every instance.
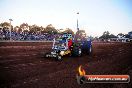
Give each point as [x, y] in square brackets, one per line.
[42, 30]
[129, 35]
[81, 33]
[105, 35]
[17, 29]
[24, 26]
[112, 36]
[34, 29]
[60, 30]
[121, 35]
[50, 29]
[68, 30]
[5, 25]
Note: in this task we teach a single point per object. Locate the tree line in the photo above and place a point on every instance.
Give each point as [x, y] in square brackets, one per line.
[107, 35]
[24, 27]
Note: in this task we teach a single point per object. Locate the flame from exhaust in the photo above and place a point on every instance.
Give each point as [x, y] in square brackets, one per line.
[81, 71]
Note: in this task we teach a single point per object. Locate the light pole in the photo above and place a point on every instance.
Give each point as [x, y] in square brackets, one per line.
[77, 22]
[76, 35]
[10, 28]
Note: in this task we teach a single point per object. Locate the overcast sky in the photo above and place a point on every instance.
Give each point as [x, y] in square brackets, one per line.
[95, 16]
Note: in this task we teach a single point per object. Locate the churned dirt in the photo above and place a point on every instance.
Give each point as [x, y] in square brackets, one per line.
[22, 65]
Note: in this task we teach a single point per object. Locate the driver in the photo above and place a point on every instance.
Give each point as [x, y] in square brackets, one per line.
[70, 43]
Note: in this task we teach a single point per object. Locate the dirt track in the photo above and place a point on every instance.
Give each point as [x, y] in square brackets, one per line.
[22, 65]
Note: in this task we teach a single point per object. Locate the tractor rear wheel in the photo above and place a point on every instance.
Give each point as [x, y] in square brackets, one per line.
[90, 50]
[77, 51]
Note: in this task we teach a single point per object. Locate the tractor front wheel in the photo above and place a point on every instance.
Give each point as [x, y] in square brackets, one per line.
[58, 57]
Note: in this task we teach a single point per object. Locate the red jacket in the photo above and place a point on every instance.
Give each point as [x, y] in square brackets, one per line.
[69, 43]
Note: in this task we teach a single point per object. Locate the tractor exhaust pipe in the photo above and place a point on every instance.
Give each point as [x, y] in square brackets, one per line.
[53, 43]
